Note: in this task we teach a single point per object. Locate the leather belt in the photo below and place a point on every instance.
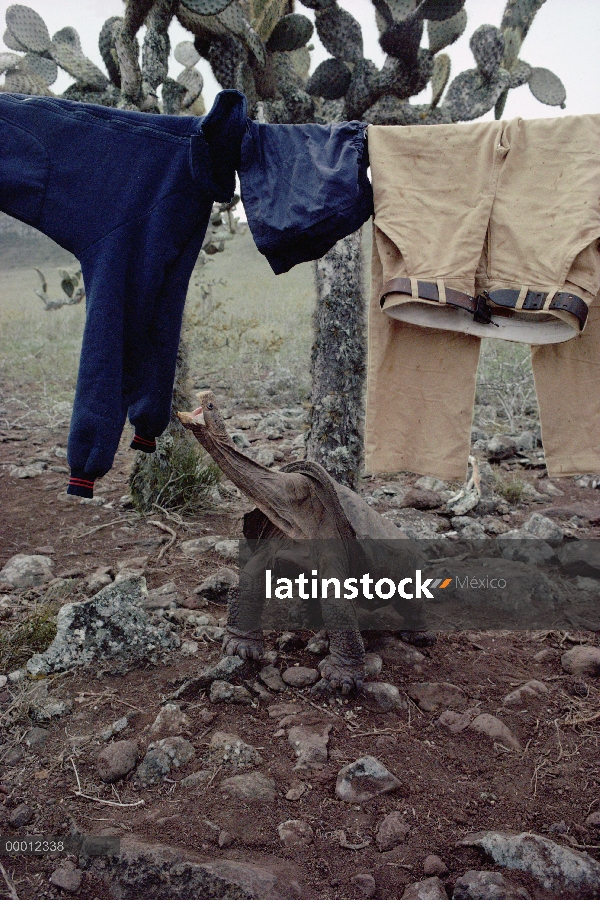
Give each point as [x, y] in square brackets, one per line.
[479, 306]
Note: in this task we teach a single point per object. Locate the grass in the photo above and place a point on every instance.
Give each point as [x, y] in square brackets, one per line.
[509, 485]
[34, 634]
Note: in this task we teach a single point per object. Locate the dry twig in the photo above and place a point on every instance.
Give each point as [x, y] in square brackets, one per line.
[12, 893]
[170, 531]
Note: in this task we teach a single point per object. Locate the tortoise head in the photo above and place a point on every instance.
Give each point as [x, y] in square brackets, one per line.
[206, 419]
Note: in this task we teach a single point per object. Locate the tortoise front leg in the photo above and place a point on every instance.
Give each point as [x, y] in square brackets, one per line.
[344, 668]
[243, 635]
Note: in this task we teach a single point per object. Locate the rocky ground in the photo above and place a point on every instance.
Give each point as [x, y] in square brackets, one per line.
[468, 769]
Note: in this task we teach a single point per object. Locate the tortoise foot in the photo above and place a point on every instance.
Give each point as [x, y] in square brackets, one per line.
[339, 675]
[246, 646]
[418, 638]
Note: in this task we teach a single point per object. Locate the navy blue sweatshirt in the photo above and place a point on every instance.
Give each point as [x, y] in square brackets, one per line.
[130, 195]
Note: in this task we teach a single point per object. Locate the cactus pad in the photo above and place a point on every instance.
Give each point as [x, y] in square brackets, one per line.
[225, 53]
[193, 82]
[44, 69]
[470, 95]
[234, 20]
[439, 77]
[401, 9]
[70, 36]
[442, 34]
[340, 33]
[519, 14]
[206, 7]
[20, 82]
[264, 15]
[28, 28]
[519, 73]
[391, 111]
[12, 43]
[300, 60]
[290, 33]
[77, 65]
[402, 39]
[318, 4]
[186, 54]
[106, 45]
[547, 87]
[331, 80]
[487, 46]
[9, 61]
[364, 89]
[439, 10]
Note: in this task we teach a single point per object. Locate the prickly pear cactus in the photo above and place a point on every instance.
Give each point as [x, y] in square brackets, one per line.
[487, 46]
[28, 28]
[443, 34]
[547, 87]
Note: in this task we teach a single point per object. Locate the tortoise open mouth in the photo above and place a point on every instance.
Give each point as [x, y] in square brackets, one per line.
[194, 418]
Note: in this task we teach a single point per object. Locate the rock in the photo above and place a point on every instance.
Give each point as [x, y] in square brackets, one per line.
[196, 778]
[240, 439]
[365, 883]
[99, 578]
[474, 531]
[428, 483]
[496, 730]
[170, 720]
[392, 831]
[526, 441]
[429, 889]
[300, 676]
[22, 571]
[556, 868]
[582, 660]
[216, 586]
[272, 678]
[396, 653]
[581, 558]
[539, 526]
[117, 760]
[189, 648]
[520, 697]
[67, 878]
[419, 498]
[165, 597]
[174, 872]
[295, 792]
[295, 833]
[429, 696]
[550, 489]
[43, 708]
[230, 749]
[373, 665]
[21, 815]
[250, 786]
[14, 756]
[227, 549]
[223, 692]
[587, 584]
[519, 546]
[3, 680]
[363, 779]
[593, 819]
[310, 746]
[487, 886]
[434, 865]
[225, 669]
[36, 737]
[199, 546]
[161, 756]
[110, 628]
[378, 695]
[319, 644]
[501, 446]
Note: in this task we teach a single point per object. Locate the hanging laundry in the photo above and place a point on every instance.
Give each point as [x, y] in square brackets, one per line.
[304, 187]
[130, 195]
[488, 229]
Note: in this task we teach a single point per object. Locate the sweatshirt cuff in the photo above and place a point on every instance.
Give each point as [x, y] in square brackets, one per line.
[80, 484]
[146, 445]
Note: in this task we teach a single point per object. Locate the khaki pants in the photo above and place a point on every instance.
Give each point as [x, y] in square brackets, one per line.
[475, 207]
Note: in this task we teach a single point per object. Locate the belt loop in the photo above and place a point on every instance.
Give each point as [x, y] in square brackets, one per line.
[441, 291]
[414, 287]
[549, 298]
[521, 297]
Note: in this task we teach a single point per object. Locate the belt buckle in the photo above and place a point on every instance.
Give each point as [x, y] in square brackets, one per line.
[483, 312]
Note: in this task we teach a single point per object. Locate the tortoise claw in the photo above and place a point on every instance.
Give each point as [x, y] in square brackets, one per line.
[244, 646]
[338, 675]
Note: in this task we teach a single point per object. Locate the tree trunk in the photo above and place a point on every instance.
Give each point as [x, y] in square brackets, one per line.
[338, 363]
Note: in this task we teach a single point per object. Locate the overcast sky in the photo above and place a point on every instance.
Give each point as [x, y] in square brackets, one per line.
[564, 37]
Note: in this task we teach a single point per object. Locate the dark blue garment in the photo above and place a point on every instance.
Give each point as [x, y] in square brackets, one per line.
[130, 195]
[303, 188]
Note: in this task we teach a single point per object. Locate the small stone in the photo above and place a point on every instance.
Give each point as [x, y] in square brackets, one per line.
[14, 756]
[501, 446]
[392, 831]
[373, 665]
[289, 640]
[582, 660]
[227, 549]
[67, 878]
[539, 526]
[487, 886]
[580, 558]
[196, 778]
[379, 695]
[22, 815]
[533, 690]
[419, 498]
[117, 760]
[277, 710]
[165, 597]
[526, 441]
[115, 728]
[23, 571]
[188, 648]
[295, 792]
[310, 746]
[593, 819]
[318, 645]
[36, 737]
[3, 681]
[429, 483]
[429, 696]
[365, 883]
[434, 865]
[170, 720]
[429, 889]
[295, 833]
[225, 840]
[250, 786]
[496, 730]
[16, 676]
[223, 692]
[272, 678]
[49, 708]
[231, 749]
[199, 546]
[363, 779]
[300, 676]
[456, 721]
[216, 587]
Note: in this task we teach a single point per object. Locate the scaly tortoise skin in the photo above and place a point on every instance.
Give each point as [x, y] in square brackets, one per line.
[298, 502]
